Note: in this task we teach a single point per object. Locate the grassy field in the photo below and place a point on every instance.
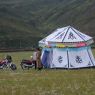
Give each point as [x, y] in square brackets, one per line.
[45, 82]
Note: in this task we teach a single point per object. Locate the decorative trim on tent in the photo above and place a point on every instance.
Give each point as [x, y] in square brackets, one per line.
[62, 45]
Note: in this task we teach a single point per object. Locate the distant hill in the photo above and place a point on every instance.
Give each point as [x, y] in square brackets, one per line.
[24, 22]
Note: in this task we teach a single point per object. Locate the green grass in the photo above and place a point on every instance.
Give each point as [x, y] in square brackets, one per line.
[45, 82]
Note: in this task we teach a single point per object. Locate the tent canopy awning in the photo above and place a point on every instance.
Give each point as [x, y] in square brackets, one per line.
[66, 36]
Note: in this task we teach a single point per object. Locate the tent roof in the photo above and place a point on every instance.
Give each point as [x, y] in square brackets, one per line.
[66, 35]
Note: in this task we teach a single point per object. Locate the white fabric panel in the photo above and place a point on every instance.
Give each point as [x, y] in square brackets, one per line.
[84, 36]
[59, 58]
[59, 36]
[42, 53]
[56, 36]
[43, 41]
[72, 36]
[48, 38]
[79, 58]
[91, 55]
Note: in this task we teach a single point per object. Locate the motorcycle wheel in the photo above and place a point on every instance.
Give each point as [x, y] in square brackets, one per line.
[13, 66]
[23, 66]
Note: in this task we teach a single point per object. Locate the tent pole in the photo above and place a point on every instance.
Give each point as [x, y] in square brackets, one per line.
[68, 57]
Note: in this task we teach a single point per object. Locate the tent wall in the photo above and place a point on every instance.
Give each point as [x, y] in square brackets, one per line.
[80, 57]
[60, 58]
[69, 57]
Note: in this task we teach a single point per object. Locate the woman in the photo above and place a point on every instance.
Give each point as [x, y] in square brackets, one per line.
[38, 59]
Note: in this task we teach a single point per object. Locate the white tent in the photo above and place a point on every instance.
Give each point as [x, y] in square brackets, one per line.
[67, 48]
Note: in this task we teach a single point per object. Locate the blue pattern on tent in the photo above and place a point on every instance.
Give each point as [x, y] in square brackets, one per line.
[89, 64]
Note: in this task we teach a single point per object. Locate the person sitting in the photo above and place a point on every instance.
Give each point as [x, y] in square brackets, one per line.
[8, 58]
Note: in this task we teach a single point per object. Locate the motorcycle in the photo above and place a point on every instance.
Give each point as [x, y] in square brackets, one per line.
[27, 64]
[4, 64]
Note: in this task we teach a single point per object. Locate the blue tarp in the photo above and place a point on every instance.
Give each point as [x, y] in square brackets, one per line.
[45, 58]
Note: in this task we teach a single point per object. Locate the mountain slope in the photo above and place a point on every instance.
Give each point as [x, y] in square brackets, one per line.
[24, 22]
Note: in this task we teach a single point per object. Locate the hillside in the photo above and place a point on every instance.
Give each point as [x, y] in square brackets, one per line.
[24, 22]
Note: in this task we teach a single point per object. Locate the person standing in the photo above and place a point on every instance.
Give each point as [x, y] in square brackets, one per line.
[34, 57]
[38, 59]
